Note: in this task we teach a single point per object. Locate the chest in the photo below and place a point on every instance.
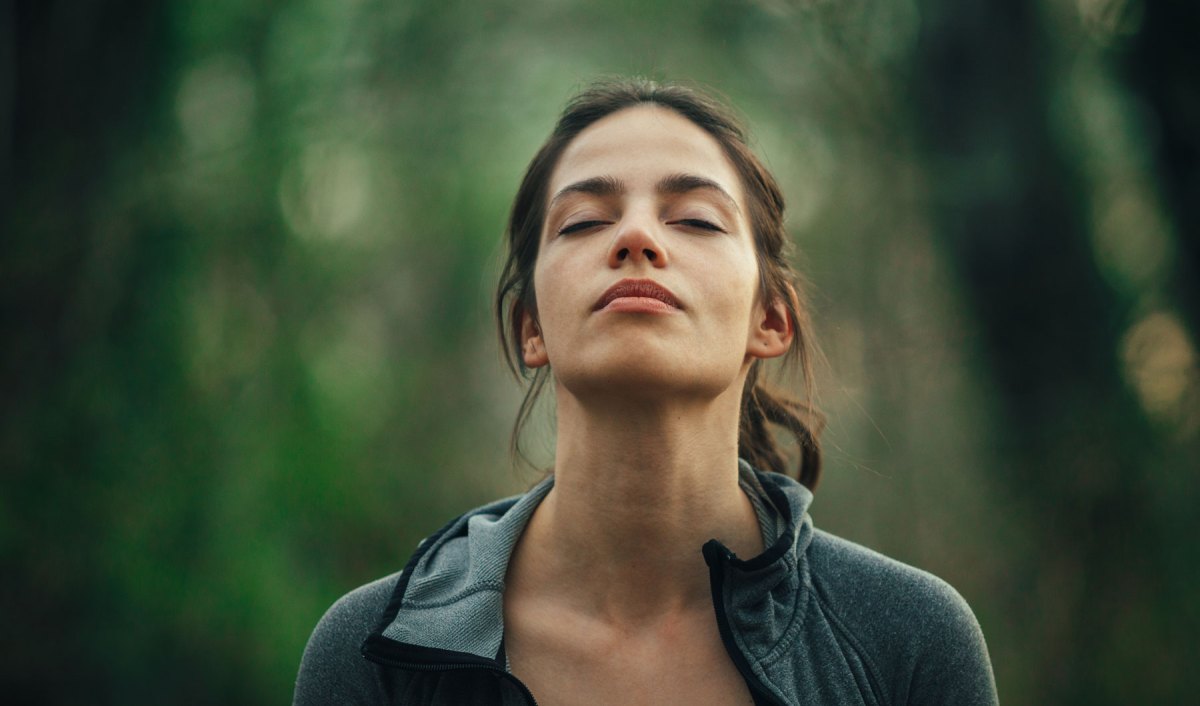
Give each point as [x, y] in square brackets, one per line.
[565, 660]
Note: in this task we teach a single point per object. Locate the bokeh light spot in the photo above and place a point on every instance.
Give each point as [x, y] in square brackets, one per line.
[215, 104]
[1130, 239]
[1160, 362]
[324, 193]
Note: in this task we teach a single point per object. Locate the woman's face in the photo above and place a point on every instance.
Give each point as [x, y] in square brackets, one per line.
[646, 278]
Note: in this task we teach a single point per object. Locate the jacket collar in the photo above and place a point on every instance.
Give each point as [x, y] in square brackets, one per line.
[449, 598]
[763, 598]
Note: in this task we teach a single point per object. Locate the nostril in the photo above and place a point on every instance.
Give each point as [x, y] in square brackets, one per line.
[622, 253]
[650, 255]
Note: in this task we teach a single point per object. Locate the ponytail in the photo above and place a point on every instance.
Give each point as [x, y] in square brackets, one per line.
[756, 442]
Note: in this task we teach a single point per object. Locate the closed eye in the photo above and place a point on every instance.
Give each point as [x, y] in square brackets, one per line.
[580, 226]
[698, 223]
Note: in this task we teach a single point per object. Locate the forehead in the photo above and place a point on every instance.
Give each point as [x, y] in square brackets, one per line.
[641, 144]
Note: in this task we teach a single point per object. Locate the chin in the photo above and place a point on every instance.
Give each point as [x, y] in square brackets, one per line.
[635, 374]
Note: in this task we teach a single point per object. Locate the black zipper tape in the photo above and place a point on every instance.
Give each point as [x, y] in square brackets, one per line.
[415, 658]
[717, 556]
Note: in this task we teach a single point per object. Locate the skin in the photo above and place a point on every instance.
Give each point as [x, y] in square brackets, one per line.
[607, 597]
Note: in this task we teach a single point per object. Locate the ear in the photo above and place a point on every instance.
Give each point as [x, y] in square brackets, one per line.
[533, 348]
[772, 331]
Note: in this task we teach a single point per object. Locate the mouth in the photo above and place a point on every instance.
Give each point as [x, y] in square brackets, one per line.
[637, 289]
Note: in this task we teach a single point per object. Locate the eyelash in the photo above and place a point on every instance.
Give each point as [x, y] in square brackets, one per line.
[690, 222]
[699, 223]
[581, 225]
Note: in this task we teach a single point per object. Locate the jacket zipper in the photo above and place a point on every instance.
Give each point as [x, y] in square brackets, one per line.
[454, 666]
[717, 556]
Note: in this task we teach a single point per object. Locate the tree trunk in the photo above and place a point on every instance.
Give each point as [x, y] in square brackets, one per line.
[1087, 602]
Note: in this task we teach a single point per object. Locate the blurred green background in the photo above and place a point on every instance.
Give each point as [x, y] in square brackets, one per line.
[247, 255]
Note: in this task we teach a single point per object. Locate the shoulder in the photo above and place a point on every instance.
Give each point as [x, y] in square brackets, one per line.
[457, 559]
[333, 669]
[919, 634]
[864, 582]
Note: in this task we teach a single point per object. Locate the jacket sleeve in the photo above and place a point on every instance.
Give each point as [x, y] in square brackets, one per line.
[919, 638]
[952, 664]
[333, 670]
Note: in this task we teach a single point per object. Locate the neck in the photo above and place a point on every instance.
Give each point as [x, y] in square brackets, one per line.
[638, 491]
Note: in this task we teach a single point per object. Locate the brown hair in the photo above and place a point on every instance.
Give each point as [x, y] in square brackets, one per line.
[778, 281]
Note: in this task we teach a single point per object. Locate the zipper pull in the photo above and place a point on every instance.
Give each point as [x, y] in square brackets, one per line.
[716, 554]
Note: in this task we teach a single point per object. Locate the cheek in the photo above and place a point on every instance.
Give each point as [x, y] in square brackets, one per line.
[547, 287]
[736, 285]
[546, 269]
[545, 274]
[739, 298]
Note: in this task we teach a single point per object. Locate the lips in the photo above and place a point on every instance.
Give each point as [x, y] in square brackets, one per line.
[637, 288]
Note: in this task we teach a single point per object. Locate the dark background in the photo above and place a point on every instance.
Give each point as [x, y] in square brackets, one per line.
[247, 248]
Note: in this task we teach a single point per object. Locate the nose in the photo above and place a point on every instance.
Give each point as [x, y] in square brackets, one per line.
[637, 240]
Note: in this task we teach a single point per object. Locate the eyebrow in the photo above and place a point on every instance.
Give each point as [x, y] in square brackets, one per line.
[671, 184]
[596, 186]
[684, 183]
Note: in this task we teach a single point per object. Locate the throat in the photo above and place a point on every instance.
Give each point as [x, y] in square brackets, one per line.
[629, 560]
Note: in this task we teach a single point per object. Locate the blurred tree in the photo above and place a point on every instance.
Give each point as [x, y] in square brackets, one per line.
[80, 82]
[1089, 604]
[1163, 65]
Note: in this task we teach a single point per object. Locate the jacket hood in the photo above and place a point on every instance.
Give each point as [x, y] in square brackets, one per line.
[449, 598]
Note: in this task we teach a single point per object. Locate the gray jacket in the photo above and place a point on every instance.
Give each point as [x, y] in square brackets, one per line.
[812, 620]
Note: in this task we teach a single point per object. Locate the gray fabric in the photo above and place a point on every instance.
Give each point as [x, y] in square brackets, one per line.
[456, 592]
[767, 522]
[333, 670]
[816, 618]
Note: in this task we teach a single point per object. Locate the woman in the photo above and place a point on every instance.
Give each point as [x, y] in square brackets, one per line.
[646, 269]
